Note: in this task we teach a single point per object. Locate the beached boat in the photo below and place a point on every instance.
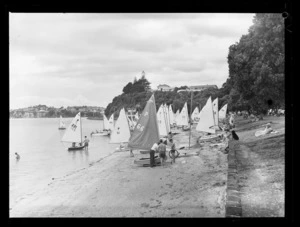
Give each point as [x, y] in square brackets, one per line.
[62, 125]
[106, 130]
[121, 132]
[146, 132]
[73, 134]
[206, 123]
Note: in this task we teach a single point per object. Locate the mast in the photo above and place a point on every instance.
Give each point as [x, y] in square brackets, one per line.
[80, 128]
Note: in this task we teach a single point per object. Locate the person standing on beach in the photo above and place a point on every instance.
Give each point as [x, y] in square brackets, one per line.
[170, 136]
[153, 149]
[162, 152]
[172, 151]
[86, 143]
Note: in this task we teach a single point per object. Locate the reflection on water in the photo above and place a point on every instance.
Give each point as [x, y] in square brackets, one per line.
[44, 156]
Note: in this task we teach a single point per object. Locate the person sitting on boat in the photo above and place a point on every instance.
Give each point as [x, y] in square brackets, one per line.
[73, 144]
[86, 143]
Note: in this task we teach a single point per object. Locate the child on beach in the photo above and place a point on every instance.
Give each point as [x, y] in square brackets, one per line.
[172, 151]
[162, 152]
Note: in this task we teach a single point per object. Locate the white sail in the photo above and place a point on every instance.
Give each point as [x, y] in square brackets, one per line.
[61, 123]
[222, 112]
[206, 122]
[111, 122]
[195, 114]
[183, 116]
[105, 123]
[166, 112]
[161, 120]
[216, 111]
[171, 114]
[121, 132]
[73, 132]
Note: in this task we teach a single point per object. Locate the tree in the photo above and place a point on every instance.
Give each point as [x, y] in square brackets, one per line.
[256, 65]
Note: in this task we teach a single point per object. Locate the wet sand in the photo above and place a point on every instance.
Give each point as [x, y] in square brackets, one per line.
[195, 186]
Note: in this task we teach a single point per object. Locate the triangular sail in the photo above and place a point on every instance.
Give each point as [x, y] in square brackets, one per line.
[216, 111]
[195, 114]
[206, 122]
[61, 123]
[121, 132]
[166, 112]
[161, 120]
[145, 133]
[105, 123]
[111, 122]
[73, 132]
[222, 112]
[171, 114]
[183, 117]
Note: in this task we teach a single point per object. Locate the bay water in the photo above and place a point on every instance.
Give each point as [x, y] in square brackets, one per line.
[44, 157]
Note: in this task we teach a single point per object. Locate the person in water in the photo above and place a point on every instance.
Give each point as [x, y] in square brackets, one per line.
[17, 156]
[86, 143]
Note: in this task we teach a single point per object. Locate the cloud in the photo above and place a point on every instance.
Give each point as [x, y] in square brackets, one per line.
[89, 58]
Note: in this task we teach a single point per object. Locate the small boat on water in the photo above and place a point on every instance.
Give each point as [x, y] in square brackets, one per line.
[62, 125]
[106, 128]
[73, 134]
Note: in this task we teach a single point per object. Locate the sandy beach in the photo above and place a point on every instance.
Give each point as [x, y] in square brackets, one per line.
[195, 186]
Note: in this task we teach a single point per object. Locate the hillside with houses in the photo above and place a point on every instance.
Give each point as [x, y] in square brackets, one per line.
[43, 111]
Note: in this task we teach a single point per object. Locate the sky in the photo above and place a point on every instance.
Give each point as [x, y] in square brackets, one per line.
[74, 59]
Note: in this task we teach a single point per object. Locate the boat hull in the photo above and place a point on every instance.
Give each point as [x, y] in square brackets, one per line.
[61, 128]
[75, 148]
[146, 161]
[100, 134]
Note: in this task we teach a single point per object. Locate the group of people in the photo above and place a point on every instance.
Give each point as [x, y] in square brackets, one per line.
[161, 149]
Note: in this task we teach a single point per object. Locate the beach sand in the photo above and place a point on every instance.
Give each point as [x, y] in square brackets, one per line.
[195, 186]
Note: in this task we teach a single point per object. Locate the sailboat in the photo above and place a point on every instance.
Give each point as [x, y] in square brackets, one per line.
[162, 121]
[121, 132]
[206, 123]
[222, 112]
[184, 118]
[111, 122]
[62, 125]
[216, 114]
[106, 129]
[146, 132]
[195, 115]
[73, 133]
[172, 117]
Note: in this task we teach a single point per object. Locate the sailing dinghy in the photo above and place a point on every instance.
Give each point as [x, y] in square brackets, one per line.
[62, 125]
[73, 134]
[206, 123]
[121, 132]
[146, 132]
[106, 129]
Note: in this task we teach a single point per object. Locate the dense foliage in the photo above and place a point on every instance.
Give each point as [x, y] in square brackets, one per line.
[255, 82]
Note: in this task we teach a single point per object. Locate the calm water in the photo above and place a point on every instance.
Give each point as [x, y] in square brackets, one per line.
[44, 156]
